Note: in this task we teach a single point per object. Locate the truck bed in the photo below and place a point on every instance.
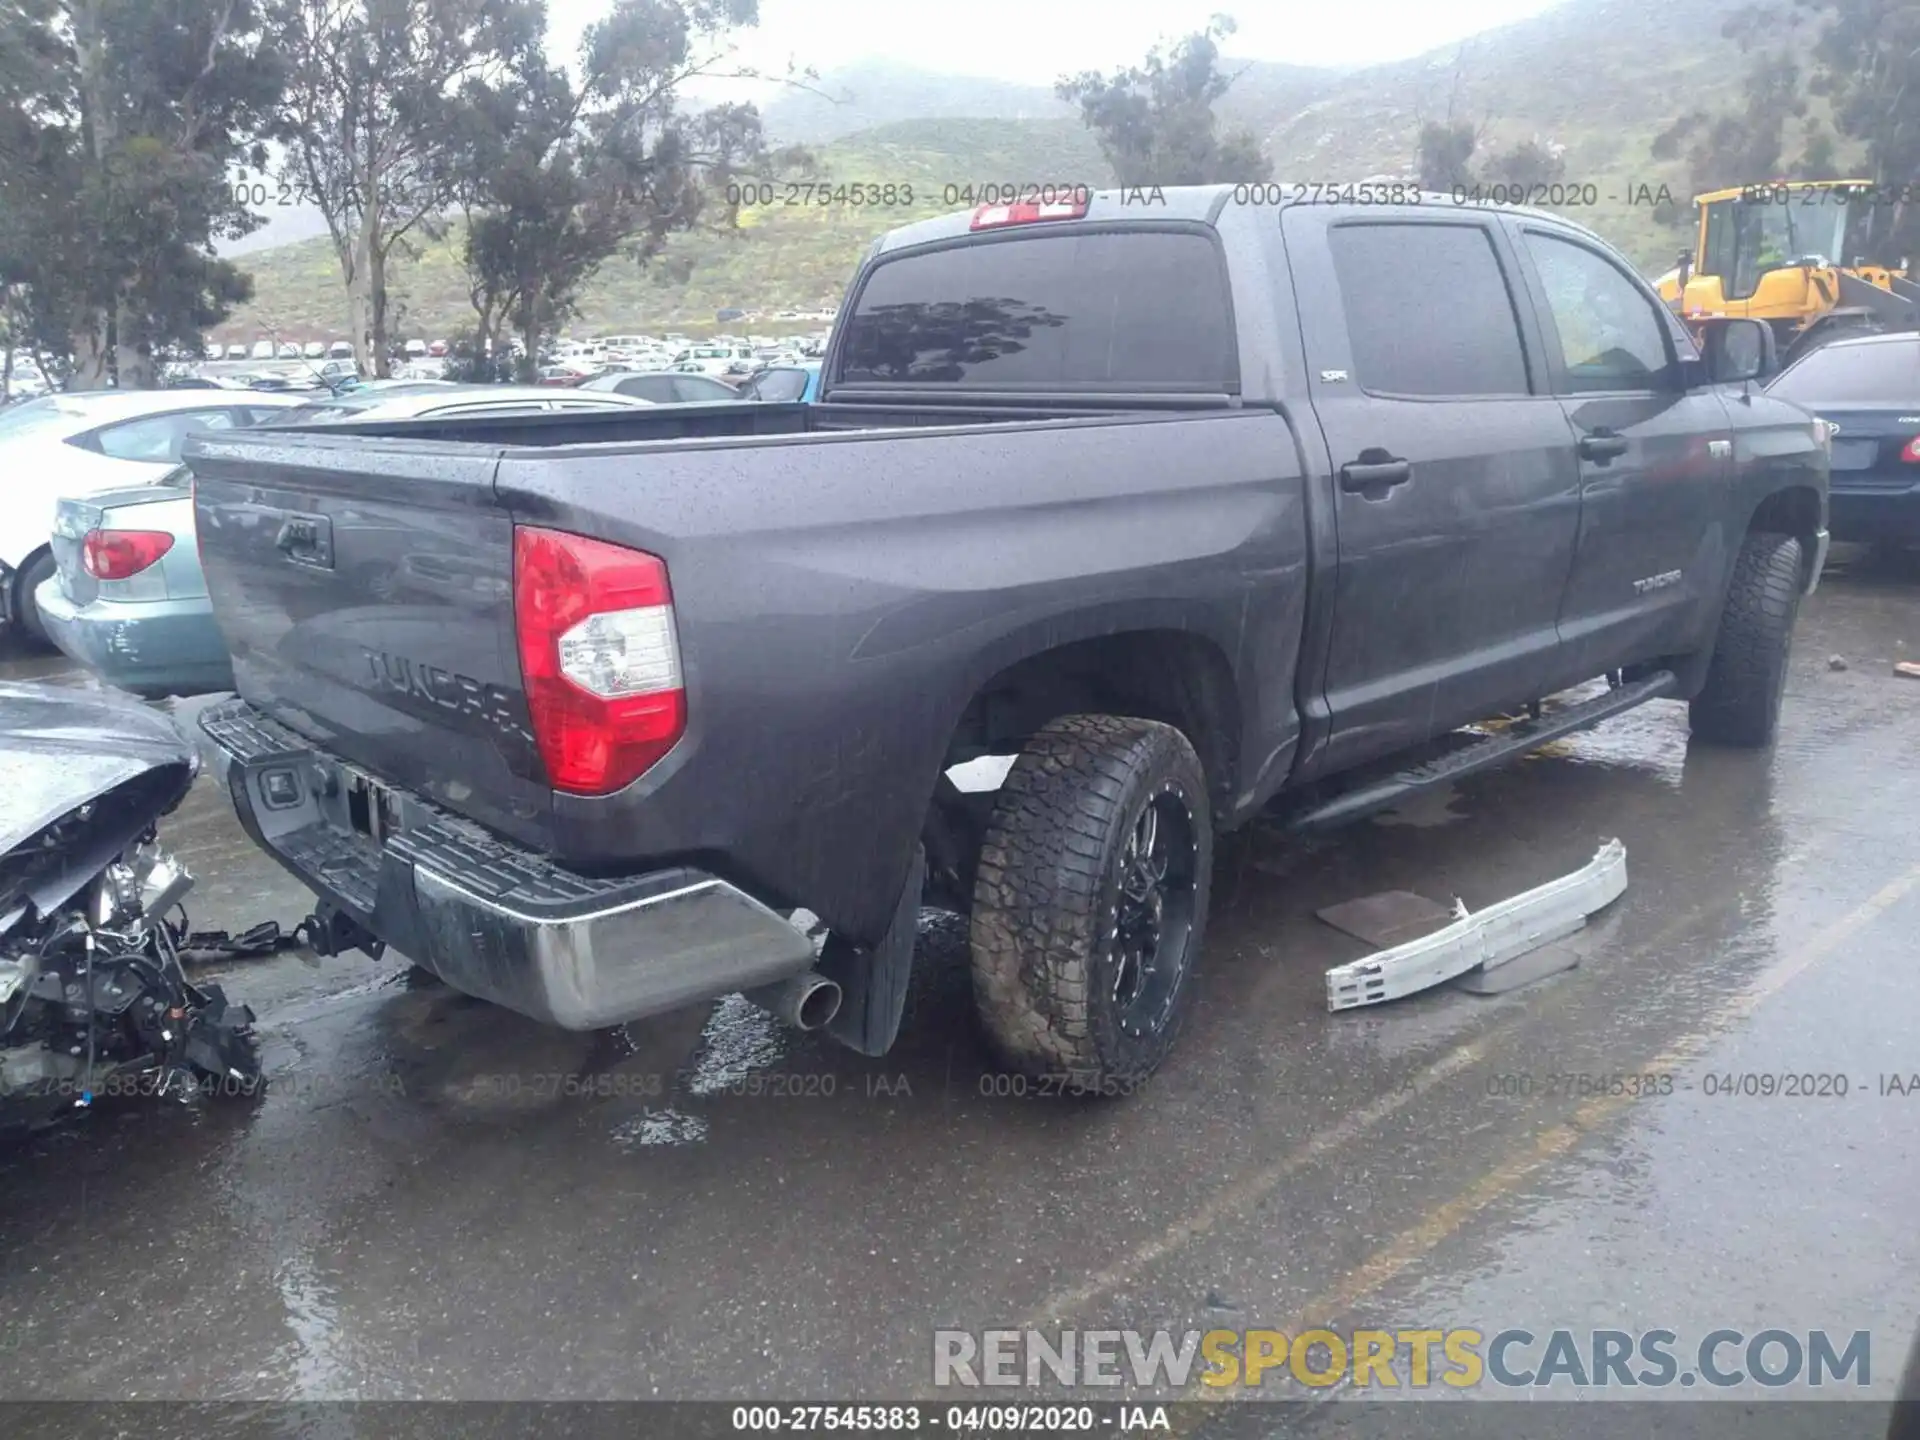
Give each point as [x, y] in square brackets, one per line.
[844, 578]
[749, 420]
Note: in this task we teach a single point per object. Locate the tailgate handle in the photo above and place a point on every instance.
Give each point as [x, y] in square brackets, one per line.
[306, 539]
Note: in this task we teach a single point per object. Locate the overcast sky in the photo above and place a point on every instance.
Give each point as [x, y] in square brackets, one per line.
[1030, 41]
[1035, 41]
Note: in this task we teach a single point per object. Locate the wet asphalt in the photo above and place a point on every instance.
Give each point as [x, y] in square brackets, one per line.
[425, 1205]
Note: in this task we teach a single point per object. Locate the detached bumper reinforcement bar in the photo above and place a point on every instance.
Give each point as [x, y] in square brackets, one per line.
[1490, 938]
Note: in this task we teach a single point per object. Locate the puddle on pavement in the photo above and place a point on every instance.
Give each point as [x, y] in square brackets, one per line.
[659, 1127]
[318, 1370]
[739, 1039]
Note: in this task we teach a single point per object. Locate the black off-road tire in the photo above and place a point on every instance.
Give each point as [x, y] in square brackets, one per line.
[1047, 965]
[1740, 703]
[26, 612]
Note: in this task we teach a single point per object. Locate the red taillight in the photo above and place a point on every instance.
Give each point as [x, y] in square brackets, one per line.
[598, 656]
[992, 217]
[121, 554]
[1912, 453]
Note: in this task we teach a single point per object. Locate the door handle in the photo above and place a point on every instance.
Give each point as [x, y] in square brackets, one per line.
[1361, 476]
[1602, 445]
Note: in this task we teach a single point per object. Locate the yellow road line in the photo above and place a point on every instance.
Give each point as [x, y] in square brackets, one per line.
[1244, 1192]
[1397, 1255]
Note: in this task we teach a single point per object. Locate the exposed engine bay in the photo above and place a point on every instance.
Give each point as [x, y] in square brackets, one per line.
[94, 1000]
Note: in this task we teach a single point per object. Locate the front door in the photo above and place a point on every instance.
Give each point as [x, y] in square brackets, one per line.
[1656, 460]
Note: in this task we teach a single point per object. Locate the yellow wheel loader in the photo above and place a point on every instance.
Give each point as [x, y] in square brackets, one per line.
[1792, 253]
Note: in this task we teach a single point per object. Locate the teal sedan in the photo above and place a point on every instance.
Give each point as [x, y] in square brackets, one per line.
[127, 599]
[784, 382]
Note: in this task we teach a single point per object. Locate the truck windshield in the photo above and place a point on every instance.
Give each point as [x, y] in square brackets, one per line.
[1050, 311]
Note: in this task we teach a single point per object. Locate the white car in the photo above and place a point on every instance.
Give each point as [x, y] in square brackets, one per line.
[73, 444]
[236, 352]
[313, 350]
[340, 350]
[26, 382]
[707, 359]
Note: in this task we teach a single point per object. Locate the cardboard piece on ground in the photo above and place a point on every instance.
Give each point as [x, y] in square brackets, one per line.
[1390, 918]
[1522, 969]
[1908, 668]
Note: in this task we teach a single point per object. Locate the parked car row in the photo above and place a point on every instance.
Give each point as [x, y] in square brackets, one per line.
[96, 534]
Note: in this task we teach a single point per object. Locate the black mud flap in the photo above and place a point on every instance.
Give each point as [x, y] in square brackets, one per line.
[873, 983]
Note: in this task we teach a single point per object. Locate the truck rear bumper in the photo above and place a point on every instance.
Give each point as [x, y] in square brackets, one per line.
[489, 918]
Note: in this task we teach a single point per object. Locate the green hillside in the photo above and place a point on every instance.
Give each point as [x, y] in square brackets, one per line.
[1600, 78]
[1597, 78]
[787, 255]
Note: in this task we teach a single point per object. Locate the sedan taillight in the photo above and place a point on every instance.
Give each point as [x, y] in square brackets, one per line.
[122, 554]
[599, 657]
[1912, 453]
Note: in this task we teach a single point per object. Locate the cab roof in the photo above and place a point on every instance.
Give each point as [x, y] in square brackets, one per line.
[1201, 203]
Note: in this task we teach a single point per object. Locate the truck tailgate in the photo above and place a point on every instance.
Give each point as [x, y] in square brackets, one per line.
[365, 589]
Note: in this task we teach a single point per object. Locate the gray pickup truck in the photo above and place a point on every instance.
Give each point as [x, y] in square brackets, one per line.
[1197, 508]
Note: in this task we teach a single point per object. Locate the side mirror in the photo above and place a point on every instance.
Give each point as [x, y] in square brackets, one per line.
[1735, 350]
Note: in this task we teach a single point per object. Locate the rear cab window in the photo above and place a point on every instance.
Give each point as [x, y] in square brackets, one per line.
[1065, 310]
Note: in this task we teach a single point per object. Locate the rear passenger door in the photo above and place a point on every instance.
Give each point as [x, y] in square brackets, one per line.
[1456, 492]
[1655, 458]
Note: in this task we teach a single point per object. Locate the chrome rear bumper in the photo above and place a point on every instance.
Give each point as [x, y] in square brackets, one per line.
[494, 920]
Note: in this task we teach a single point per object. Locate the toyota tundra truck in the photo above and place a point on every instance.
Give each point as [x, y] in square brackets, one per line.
[1183, 511]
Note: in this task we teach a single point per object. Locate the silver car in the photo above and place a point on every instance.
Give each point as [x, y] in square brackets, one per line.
[662, 387]
[128, 600]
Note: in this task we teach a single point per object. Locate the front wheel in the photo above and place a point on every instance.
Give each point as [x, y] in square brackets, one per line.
[1740, 702]
[1091, 901]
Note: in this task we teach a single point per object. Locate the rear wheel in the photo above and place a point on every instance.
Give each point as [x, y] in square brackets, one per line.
[1740, 703]
[1091, 901]
[40, 567]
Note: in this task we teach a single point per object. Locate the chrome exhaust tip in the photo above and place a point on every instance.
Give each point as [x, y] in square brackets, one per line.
[807, 1002]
